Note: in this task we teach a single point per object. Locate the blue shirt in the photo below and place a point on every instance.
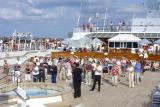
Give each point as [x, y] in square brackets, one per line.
[137, 67]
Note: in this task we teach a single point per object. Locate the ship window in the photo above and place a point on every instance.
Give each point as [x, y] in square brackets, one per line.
[135, 45]
[117, 44]
[129, 44]
[125, 45]
[121, 44]
[111, 44]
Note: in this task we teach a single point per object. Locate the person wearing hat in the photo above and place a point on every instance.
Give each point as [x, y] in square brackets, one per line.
[97, 76]
[6, 68]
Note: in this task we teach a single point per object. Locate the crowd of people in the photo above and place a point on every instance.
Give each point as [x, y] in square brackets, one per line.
[76, 70]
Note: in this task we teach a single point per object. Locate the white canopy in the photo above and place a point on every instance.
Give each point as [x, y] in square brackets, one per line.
[157, 41]
[85, 40]
[145, 41]
[67, 41]
[96, 40]
[1, 41]
[82, 42]
[124, 38]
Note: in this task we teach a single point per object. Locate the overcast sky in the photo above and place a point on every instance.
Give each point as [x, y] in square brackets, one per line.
[57, 17]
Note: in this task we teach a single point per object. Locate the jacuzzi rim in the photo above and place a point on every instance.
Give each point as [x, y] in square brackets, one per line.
[24, 86]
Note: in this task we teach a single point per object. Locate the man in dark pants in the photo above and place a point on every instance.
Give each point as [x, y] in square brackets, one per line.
[77, 78]
[97, 77]
[53, 71]
[41, 73]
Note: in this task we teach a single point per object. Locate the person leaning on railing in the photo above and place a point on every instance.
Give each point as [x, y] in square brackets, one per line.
[27, 72]
[5, 67]
[6, 71]
[16, 73]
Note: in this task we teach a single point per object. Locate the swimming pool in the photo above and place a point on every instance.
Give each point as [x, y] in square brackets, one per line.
[34, 92]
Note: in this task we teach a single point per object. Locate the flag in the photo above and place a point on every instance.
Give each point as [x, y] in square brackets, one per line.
[89, 19]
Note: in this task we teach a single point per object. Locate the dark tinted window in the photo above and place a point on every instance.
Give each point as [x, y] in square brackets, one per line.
[135, 45]
[129, 44]
[117, 44]
[111, 44]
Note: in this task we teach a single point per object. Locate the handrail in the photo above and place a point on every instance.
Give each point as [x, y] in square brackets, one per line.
[28, 97]
[21, 55]
[25, 55]
[14, 74]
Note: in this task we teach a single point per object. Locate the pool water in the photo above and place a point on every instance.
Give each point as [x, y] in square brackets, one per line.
[34, 92]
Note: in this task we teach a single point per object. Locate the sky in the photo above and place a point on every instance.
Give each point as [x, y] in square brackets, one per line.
[56, 18]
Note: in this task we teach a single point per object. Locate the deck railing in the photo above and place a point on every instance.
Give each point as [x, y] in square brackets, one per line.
[113, 28]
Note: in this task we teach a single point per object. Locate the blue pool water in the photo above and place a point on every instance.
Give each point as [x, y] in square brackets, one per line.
[34, 92]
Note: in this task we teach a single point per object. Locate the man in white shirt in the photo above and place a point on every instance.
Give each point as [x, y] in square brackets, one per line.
[35, 59]
[41, 60]
[119, 26]
[17, 70]
[35, 74]
[18, 61]
[97, 77]
[68, 70]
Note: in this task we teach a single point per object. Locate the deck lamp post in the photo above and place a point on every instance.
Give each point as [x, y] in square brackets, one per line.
[19, 41]
[105, 54]
[72, 53]
[19, 36]
[25, 37]
[12, 41]
[31, 41]
[102, 49]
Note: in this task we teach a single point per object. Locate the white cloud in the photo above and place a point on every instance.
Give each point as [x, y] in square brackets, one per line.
[24, 11]
[10, 14]
[52, 9]
[30, 1]
[54, 13]
[36, 11]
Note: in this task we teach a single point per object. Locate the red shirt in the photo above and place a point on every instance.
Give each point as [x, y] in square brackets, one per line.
[88, 67]
[115, 70]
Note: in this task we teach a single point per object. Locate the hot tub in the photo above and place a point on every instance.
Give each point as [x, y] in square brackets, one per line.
[35, 92]
[39, 94]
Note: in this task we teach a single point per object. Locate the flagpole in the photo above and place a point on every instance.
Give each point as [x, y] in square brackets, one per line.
[105, 16]
[97, 16]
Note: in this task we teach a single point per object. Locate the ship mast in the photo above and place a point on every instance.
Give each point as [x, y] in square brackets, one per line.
[105, 16]
[79, 17]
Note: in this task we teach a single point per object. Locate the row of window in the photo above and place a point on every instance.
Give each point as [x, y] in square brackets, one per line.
[123, 44]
